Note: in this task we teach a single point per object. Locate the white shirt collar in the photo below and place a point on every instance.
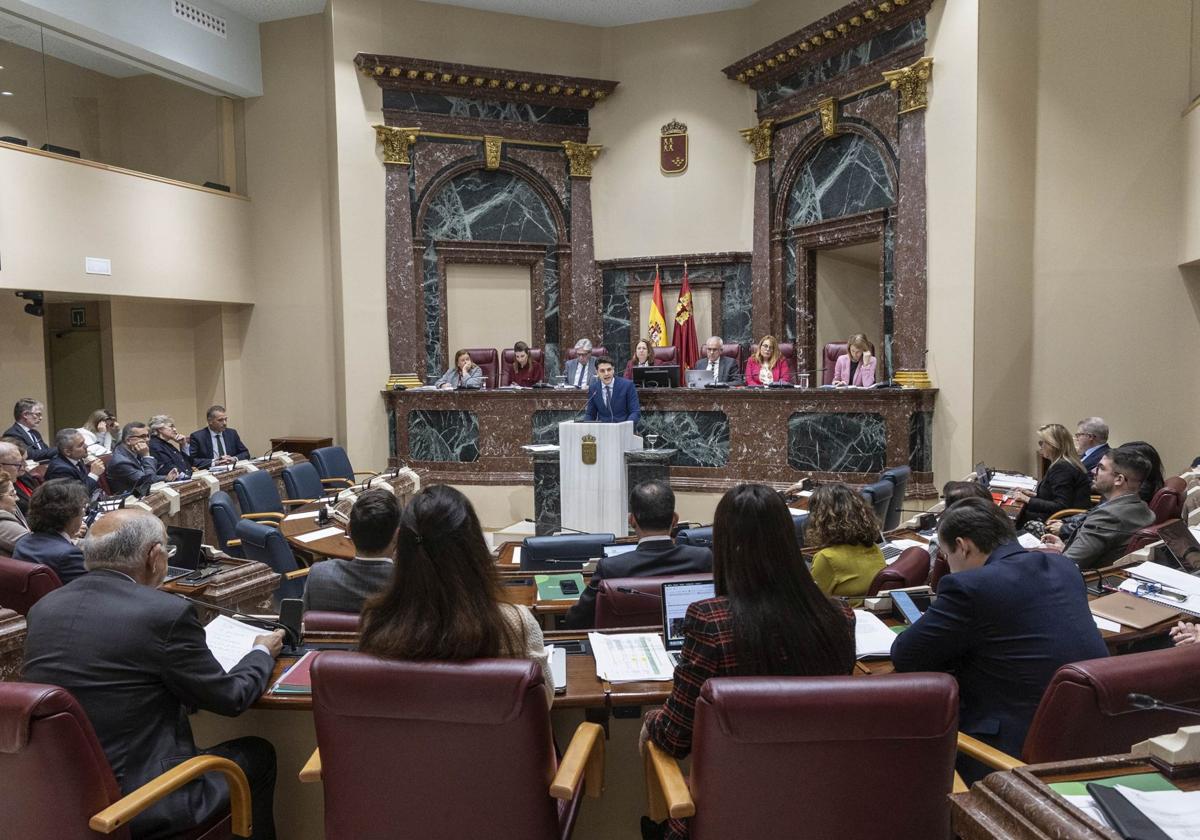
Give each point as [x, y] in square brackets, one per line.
[360, 559]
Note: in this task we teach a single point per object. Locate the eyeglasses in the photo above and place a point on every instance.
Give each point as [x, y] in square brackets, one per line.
[12, 463]
[1084, 434]
[1159, 589]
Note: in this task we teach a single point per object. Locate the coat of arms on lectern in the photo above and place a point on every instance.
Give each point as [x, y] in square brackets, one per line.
[587, 449]
[673, 148]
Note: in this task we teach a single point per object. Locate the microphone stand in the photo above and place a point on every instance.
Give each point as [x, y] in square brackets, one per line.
[1145, 702]
[290, 635]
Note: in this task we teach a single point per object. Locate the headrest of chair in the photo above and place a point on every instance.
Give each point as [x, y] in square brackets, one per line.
[764, 710]
[695, 536]
[486, 691]
[569, 545]
[879, 490]
[897, 472]
[329, 621]
[597, 352]
[1176, 483]
[509, 356]
[1167, 675]
[482, 355]
[20, 703]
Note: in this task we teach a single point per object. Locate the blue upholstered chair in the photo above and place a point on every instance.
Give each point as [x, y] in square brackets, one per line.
[703, 537]
[333, 465]
[258, 497]
[899, 478]
[225, 519]
[879, 494]
[302, 481]
[265, 544]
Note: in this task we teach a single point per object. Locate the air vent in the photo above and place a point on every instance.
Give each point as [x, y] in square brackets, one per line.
[198, 17]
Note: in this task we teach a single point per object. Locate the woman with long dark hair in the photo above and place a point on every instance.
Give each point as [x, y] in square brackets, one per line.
[445, 600]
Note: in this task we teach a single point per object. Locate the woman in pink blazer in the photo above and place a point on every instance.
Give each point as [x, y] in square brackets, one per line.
[767, 365]
[858, 366]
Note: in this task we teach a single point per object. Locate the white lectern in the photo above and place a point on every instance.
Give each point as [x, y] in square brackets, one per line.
[594, 487]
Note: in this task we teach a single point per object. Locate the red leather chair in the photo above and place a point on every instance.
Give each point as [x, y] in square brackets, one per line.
[664, 355]
[911, 568]
[597, 352]
[1144, 536]
[829, 357]
[788, 350]
[1167, 503]
[61, 785]
[622, 609]
[324, 621]
[472, 741]
[23, 584]
[831, 739]
[735, 352]
[938, 570]
[489, 362]
[536, 354]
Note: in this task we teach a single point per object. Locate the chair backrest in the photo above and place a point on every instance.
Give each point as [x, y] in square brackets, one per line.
[302, 481]
[736, 352]
[479, 731]
[265, 544]
[597, 352]
[879, 494]
[911, 568]
[22, 584]
[787, 349]
[257, 493]
[332, 462]
[327, 621]
[899, 477]
[489, 362]
[938, 570]
[563, 552]
[664, 355]
[536, 354]
[59, 777]
[703, 537]
[1144, 536]
[1085, 710]
[1191, 502]
[1167, 503]
[225, 519]
[831, 739]
[829, 357]
[643, 608]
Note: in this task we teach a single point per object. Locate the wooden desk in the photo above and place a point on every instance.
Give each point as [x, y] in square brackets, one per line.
[244, 585]
[338, 545]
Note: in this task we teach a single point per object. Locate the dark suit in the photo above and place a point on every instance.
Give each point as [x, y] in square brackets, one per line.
[573, 372]
[200, 447]
[1064, 486]
[62, 467]
[53, 550]
[622, 406]
[651, 557]
[127, 470]
[1104, 532]
[36, 446]
[137, 686]
[1002, 630]
[167, 458]
[1093, 460]
[727, 370]
[343, 585]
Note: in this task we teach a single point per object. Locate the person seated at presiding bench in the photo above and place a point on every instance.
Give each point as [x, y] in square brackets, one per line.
[100, 432]
[165, 445]
[216, 444]
[1066, 483]
[463, 374]
[343, 585]
[525, 371]
[766, 364]
[643, 356]
[28, 413]
[723, 368]
[56, 514]
[444, 601]
[843, 522]
[12, 522]
[652, 517]
[132, 465]
[611, 399]
[71, 460]
[857, 365]
[581, 370]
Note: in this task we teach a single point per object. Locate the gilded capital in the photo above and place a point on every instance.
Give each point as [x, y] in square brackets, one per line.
[396, 142]
[912, 82]
[580, 157]
[491, 151]
[828, 111]
[759, 139]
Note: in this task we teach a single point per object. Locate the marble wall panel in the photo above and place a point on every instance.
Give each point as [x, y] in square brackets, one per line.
[920, 441]
[550, 291]
[432, 155]
[435, 354]
[550, 164]
[391, 426]
[615, 303]
[545, 424]
[876, 108]
[701, 437]
[837, 442]
[889, 292]
[443, 435]
[489, 205]
[845, 175]
[547, 492]
[735, 304]
[488, 109]
[790, 289]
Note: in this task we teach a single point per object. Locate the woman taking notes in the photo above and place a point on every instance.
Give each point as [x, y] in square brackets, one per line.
[525, 371]
[1066, 483]
[857, 365]
[766, 365]
[841, 520]
[464, 374]
[643, 356]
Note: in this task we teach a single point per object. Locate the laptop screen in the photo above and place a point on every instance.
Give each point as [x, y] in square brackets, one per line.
[676, 598]
[187, 546]
[1180, 541]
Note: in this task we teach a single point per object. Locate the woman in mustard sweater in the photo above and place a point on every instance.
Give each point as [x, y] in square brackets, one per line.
[841, 520]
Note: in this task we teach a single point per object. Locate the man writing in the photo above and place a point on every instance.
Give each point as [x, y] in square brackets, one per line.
[132, 465]
[611, 399]
[71, 460]
[723, 368]
[216, 445]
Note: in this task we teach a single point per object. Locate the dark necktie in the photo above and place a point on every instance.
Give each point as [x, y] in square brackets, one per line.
[608, 397]
[221, 445]
[37, 439]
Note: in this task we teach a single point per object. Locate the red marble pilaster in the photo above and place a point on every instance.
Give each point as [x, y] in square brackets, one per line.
[765, 285]
[580, 310]
[909, 255]
[406, 330]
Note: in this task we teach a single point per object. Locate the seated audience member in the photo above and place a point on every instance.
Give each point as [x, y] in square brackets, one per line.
[525, 372]
[444, 601]
[100, 432]
[652, 517]
[139, 683]
[1185, 633]
[843, 522]
[166, 447]
[1066, 483]
[55, 521]
[216, 445]
[768, 618]
[28, 414]
[643, 356]
[1154, 480]
[1104, 531]
[132, 465]
[13, 463]
[857, 365]
[611, 399]
[343, 585]
[72, 461]
[723, 368]
[1091, 441]
[1004, 620]
[766, 364]
[464, 374]
[582, 369]
[954, 492]
[12, 522]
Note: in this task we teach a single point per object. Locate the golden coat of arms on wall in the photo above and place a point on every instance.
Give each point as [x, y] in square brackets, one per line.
[673, 148]
[587, 449]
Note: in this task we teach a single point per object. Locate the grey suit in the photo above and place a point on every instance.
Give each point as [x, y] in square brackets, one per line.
[126, 470]
[573, 371]
[474, 379]
[727, 370]
[1105, 530]
[343, 585]
[12, 527]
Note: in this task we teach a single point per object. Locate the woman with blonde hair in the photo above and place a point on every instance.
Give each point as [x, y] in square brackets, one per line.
[857, 365]
[766, 365]
[1066, 483]
[100, 432]
[841, 521]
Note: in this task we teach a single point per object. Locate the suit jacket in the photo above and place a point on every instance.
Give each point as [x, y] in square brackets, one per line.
[12, 527]
[864, 375]
[727, 370]
[36, 446]
[167, 458]
[1104, 532]
[138, 684]
[779, 373]
[1091, 461]
[1002, 630]
[473, 379]
[61, 467]
[343, 585]
[573, 371]
[1063, 486]
[650, 558]
[53, 550]
[200, 448]
[126, 470]
[622, 406]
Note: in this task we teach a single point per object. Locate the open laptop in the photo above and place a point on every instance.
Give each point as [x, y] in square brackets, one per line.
[699, 378]
[676, 598]
[183, 545]
[890, 552]
[1181, 545]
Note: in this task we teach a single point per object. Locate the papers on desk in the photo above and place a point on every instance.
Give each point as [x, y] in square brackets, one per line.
[1028, 540]
[558, 667]
[1183, 588]
[230, 640]
[631, 657]
[1013, 481]
[516, 555]
[1105, 624]
[872, 638]
[310, 514]
[296, 680]
[1175, 812]
[313, 536]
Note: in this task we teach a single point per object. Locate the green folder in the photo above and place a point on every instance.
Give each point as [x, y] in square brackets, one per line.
[549, 587]
[1137, 781]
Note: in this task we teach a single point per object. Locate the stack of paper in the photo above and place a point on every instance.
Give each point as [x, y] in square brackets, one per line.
[296, 680]
[1013, 481]
[230, 640]
[872, 638]
[1176, 812]
[630, 657]
[1182, 590]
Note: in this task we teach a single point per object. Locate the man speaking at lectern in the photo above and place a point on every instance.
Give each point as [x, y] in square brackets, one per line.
[611, 399]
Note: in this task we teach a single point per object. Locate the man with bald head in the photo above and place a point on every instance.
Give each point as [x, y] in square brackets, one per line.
[136, 660]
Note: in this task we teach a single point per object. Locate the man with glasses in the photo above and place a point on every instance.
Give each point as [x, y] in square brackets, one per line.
[28, 414]
[1091, 441]
[723, 368]
[12, 464]
[71, 460]
[132, 464]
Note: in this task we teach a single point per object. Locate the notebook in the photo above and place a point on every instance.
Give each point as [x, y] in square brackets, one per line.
[676, 598]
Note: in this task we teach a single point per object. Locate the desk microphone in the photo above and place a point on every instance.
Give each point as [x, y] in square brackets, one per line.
[1147, 703]
[629, 591]
[564, 528]
[289, 634]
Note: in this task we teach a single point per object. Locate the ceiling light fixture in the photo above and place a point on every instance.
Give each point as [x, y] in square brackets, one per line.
[5, 93]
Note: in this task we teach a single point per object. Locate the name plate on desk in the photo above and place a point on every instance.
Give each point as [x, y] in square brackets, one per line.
[208, 478]
[248, 466]
[283, 458]
[168, 493]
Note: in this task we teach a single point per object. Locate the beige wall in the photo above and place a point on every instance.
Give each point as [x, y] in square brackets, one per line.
[1190, 218]
[168, 129]
[486, 305]
[22, 357]
[847, 299]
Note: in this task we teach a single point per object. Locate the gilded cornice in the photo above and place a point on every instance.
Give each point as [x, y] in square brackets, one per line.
[912, 83]
[580, 157]
[397, 143]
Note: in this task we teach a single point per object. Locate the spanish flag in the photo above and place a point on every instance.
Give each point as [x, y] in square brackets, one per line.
[657, 328]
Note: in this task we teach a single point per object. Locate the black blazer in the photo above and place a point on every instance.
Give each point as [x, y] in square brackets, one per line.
[1092, 461]
[37, 448]
[136, 660]
[61, 467]
[53, 550]
[657, 557]
[126, 470]
[167, 458]
[200, 448]
[1063, 486]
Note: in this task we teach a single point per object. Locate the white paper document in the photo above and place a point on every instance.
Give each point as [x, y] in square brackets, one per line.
[1105, 624]
[311, 514]
[1028, 540]
[1176, 812]
[230, 640]
[313, 536]
[1173, 580]
[558, 666]
[516, 555]
[631, 657]
[1013, 481]
[872, 638]
[540, 447]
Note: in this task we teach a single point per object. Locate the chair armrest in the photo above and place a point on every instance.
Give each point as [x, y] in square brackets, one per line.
[342, 482]
[959, 786]
[233, 543]
[1063, 514]
[666, 789]
[311, 771]
[297, 501]
[584, 759]
[129, 806]
[271, 518]
[298, 573]
[986, 754]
